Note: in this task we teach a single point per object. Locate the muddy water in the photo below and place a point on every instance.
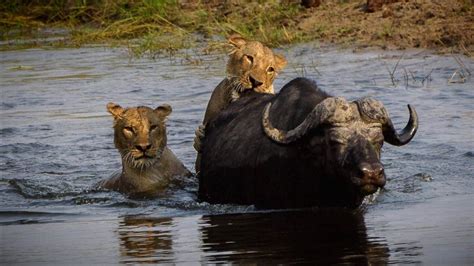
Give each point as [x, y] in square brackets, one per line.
[56, 142]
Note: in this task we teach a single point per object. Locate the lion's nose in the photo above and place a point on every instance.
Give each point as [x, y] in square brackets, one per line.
[255, 83]
[143, 147]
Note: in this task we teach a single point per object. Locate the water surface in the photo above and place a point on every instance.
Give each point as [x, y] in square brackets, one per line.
[56, 141]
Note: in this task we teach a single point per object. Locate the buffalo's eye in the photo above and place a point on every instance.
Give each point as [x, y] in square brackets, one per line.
[316, 141]
[338, 136]
[378, 144]
[375, 134]
[340, 141]
[379, 140]
[249, 58]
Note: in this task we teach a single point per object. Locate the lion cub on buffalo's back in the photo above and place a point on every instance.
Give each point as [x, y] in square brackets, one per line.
[251, 66]
[148, 166]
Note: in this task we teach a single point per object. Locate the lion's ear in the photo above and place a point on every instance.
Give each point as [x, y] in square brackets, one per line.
[115, 109]
[163, 110]
[237, 40]
[280, 62]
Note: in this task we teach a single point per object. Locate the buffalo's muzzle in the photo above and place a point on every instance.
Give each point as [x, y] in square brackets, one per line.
[371, 177]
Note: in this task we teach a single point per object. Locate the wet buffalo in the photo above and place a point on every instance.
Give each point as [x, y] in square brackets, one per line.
[298, 148]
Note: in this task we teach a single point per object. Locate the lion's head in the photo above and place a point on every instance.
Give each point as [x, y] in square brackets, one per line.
[254, 64]
[140, 133]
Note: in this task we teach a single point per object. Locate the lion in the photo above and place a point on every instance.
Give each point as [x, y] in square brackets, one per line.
[149, 167]
[251, 66]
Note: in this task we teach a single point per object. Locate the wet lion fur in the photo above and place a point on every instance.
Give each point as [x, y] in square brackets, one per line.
[149, 167]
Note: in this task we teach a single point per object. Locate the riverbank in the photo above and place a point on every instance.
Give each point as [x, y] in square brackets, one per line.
[157, 26]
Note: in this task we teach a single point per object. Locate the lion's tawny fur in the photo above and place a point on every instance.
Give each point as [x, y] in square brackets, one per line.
[251, 66]
[149, 167]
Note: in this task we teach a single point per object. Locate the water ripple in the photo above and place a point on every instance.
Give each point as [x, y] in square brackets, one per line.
[32, 189]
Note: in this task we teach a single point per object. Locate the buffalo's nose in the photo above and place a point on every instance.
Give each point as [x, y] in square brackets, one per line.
[373, 173]
[255, 83]
[143, 147]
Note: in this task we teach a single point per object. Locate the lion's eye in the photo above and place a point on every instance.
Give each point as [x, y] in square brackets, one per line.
[128, 130]
[153, 127]
[249, 58]
[270, 70]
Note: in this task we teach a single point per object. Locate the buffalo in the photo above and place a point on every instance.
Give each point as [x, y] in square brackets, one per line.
[299, 148]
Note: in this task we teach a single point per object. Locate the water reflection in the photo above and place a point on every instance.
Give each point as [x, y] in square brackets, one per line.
[145, 239]
[322, 237]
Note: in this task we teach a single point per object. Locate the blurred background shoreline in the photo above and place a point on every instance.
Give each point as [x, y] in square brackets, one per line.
[150, 27]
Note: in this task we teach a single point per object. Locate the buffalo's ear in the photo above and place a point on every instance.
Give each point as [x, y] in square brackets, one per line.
[280, 62]
[163, 110]
[115, 109]
[237, 40]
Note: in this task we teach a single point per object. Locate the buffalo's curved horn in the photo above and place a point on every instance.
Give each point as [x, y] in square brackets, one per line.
[373, 111]
[282, 136]
[398, 139]
[321, 113]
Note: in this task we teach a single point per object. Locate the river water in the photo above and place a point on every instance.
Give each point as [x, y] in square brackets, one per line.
[56, 141]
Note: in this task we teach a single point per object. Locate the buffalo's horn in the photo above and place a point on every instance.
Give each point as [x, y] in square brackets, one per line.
[373, 111]
[320, 114]
[398, 139]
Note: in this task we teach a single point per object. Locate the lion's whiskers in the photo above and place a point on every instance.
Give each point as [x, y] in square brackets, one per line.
[140, 164]
[236, 87]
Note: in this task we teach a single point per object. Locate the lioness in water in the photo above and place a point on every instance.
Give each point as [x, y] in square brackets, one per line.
[251, 66]
[148, 166]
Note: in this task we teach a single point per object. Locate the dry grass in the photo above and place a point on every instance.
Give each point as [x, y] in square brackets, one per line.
[440, 25]
[157, 26]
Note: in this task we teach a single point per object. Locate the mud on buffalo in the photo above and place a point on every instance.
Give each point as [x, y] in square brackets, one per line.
[299, 148]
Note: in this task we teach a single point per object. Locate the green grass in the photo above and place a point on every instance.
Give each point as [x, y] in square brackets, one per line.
[153, 27]
[160, 24]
